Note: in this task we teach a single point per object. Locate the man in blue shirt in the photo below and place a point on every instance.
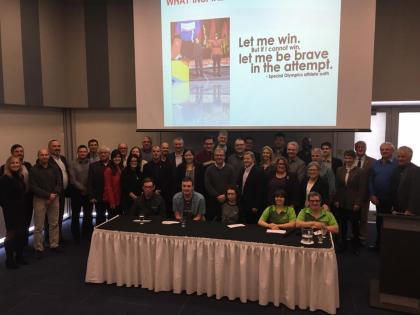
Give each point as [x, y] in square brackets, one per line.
[189, 201]
[380, 186]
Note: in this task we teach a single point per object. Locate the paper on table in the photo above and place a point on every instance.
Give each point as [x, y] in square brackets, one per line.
[232, 226]
[276, 231]
[170, 222]
[145, 221]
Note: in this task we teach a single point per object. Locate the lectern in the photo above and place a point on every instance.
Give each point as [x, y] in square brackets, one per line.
[398, 287]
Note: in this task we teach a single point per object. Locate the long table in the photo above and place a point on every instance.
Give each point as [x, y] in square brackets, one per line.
[209, 258]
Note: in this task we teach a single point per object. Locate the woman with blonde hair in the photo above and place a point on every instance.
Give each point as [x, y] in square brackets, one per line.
[12, 193]
[267, 159]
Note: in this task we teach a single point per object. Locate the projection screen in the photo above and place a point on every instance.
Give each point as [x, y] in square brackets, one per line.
[253, 65]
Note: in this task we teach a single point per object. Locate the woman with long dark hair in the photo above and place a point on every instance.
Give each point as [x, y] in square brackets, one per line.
[112, 183]
[190, 168]
[131, 179]
[282, 179]
[137, 152]
[12, 193]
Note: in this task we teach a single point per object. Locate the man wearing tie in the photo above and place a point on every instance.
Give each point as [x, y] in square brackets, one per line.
[365, 163]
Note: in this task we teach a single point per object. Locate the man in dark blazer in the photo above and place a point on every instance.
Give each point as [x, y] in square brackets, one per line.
[327, 157]
[162, 174]
[364, 162]
[405, 183]
[95, 185]
[175, 157]
[60, 163]
[252, 184]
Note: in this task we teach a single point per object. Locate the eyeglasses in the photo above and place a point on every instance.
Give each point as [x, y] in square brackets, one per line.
[315, 201]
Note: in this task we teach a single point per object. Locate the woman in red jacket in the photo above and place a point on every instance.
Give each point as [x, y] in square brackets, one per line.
[112, 186]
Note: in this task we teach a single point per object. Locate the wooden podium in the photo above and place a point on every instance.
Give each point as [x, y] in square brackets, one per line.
[398, 287]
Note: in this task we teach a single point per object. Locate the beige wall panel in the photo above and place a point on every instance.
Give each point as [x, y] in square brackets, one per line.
[32, 128]
[55, 91]
[11, 45]
[121, 54]
[110, 127]
[75, 54]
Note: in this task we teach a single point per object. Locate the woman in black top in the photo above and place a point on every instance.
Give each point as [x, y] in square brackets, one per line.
[131, 179]
[281, 178]
[12, 192]
[190, 168]
[314, 182]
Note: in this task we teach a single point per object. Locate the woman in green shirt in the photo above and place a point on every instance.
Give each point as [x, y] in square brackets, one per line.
[278, 216]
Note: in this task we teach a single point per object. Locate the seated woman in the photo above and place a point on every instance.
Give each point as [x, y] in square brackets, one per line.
[278, 216]
[316, 217]
[230, 208]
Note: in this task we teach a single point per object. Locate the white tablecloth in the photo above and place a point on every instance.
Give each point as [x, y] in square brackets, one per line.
[293, 276]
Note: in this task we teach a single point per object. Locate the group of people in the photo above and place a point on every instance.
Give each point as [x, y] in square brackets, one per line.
[281, 187]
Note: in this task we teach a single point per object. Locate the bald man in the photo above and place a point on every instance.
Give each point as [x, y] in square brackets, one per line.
[45, 182]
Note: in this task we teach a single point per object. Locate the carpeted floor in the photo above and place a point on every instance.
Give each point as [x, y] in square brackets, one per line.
[55, 285]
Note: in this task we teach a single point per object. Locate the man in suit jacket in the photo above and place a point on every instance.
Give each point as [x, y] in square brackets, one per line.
[175, 158]
[60, 163]
[95, 185]
[405, 183]
[327, 157]
[365, 163]
[252, 184]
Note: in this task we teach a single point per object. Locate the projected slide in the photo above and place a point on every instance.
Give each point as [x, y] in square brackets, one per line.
[233, 63]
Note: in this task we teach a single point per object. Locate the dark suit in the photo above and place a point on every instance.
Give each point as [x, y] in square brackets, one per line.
[95, 188]
[405, 184]
[365, 203]
[131, 182]
[63, 193]
[348, 195]
[320, 186]
[162, 174]
[336, 163]
[252, 194]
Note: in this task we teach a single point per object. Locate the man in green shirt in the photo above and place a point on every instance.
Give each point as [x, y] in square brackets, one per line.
[315, 216]
[278, 216]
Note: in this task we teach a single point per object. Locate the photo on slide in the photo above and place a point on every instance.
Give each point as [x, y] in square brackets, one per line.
[200, 71]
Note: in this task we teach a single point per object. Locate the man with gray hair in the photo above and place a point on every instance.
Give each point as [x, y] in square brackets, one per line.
[296, 165]
[405, 183]
[175, 157]
[222, 142]
[216, 179]
[95, 184]
[380, 186]
[325, 172]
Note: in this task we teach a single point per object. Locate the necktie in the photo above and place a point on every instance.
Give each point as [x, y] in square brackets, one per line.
[359, 163]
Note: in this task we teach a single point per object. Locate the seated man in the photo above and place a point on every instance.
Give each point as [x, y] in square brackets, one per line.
[278, 216]
[149, 203]
[315, 216]
[190, 201]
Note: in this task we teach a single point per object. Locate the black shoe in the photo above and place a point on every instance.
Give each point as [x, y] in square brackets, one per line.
[39, 254]
[10, 264]
[21, 261]
[56, 250]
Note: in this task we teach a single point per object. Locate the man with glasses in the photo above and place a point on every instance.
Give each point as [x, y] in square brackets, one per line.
[205, 156]
[149, 203]
[315, 216]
